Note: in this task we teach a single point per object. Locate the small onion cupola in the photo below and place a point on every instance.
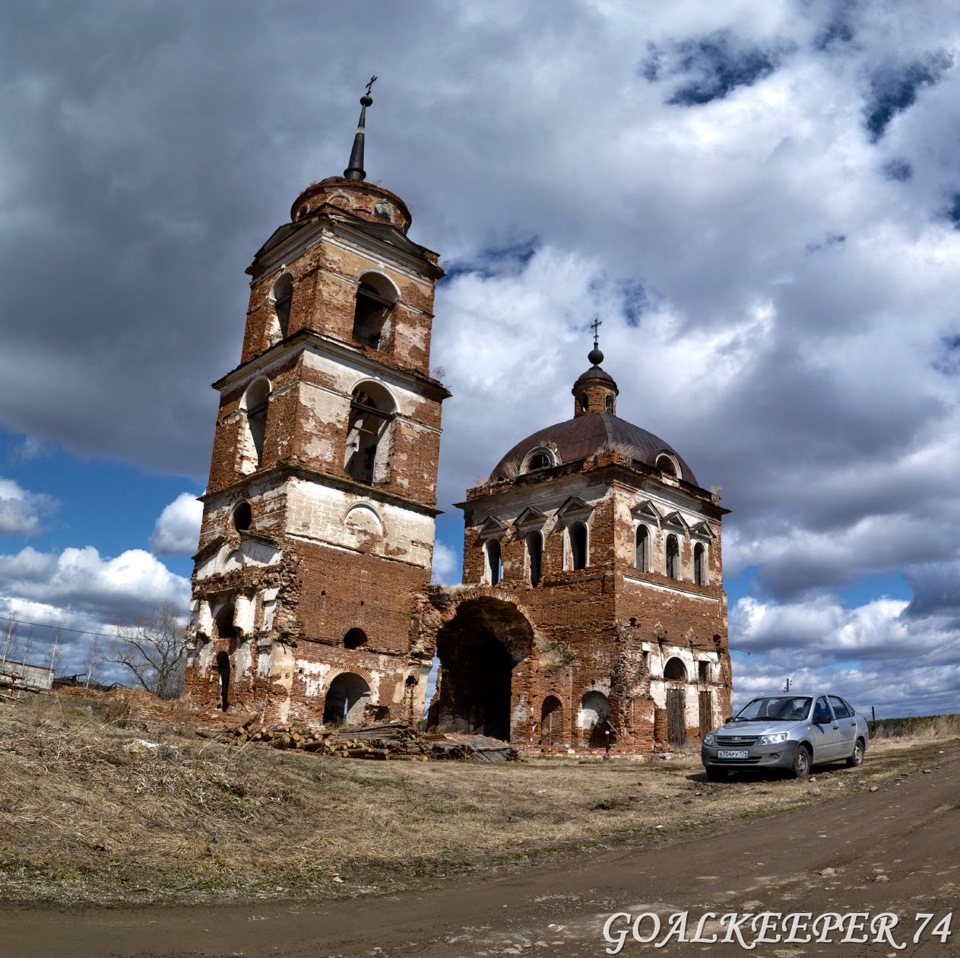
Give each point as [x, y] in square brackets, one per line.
[595, 390]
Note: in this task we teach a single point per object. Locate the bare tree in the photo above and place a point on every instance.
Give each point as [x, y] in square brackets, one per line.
[9, 639]
[94, 662]
[25, 648]
[56, 653]
[155, 651]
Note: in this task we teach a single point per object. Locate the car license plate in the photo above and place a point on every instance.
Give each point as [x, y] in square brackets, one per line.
[731, 753]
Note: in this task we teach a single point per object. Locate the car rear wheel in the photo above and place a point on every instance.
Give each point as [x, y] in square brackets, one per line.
[801, 763]
[856, 758]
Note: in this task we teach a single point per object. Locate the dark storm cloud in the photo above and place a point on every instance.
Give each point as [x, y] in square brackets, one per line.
[894, 89]
[936, 590]
[711, 67]
[899, 170]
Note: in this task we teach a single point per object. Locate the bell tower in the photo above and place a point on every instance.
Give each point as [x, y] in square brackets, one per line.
[318, 522]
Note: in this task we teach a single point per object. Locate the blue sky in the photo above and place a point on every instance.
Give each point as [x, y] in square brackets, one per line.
[760, 199]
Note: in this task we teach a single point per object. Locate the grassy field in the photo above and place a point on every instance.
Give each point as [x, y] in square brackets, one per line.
[94, 810]
[918, 727]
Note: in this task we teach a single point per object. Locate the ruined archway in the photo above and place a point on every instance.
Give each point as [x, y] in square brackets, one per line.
[479, 648]
[594, 719]
[348, 697]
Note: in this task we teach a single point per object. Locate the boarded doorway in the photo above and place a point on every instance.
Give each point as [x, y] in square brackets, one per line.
[675, 672]
[551, 721]
[676, 718]
[706, 713]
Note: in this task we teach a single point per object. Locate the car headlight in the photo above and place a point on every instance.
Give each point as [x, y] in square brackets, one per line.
[775, 738]
[711, 740]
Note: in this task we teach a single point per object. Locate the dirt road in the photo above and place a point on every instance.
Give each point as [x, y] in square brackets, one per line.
[892, 852]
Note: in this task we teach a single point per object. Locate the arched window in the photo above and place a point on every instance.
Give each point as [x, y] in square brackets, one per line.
[242, 516]
[541, 459]
[494, 562]
[369, 439]
[608, 403]
[535, 556]
[376, 297]
[577, 534]
[668, 465]
[673, 557]
[282, 297]
[675, 670]
[354, 639]
[642, 556]
[224, 622]
[699, 564]
[256, 401]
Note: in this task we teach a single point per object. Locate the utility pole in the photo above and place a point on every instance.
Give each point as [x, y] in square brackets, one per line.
[786, 686]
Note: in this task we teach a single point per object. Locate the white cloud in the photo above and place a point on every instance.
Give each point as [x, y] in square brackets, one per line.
[177, 529]
[83, 596]
[21, 511]
[80, 580]
[874, 653]
[446, 565]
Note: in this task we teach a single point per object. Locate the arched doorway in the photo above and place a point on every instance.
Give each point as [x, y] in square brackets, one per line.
[594, 719]
[479, 648]
[223, 668]
[348, 697]
[551, 721]
[675, 674]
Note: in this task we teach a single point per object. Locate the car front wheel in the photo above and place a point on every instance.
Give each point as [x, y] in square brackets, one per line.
[801, 763]
[716, 774]
[856, 758]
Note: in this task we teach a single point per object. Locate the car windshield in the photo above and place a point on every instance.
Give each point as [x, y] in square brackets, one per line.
[779, 708]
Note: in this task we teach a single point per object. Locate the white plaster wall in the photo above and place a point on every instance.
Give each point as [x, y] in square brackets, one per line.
[343, 376]
[316, 512]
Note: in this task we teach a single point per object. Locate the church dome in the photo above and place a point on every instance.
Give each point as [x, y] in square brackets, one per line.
[581, 437]
[595, 427]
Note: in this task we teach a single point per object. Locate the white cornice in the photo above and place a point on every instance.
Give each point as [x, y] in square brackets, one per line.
[657, 587]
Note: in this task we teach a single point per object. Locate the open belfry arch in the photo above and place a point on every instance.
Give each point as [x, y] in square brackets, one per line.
[592, 612]
[318, 525]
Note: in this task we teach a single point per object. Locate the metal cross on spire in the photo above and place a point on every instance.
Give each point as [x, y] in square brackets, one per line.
[595, 326]
[355, 170]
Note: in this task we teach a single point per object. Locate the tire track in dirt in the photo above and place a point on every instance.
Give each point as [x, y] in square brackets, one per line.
[895, 849]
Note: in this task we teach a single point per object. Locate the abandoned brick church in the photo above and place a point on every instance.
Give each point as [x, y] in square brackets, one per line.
[592, 610]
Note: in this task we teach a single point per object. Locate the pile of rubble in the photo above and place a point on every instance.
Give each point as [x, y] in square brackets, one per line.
[396, 741]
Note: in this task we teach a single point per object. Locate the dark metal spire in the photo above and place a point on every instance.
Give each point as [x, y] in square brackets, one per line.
[355, 170]
[595, 356]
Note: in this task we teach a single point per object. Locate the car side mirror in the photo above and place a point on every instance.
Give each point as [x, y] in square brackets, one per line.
[728, 720]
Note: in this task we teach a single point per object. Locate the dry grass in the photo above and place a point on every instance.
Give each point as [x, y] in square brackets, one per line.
[90, 811]
[922, 728]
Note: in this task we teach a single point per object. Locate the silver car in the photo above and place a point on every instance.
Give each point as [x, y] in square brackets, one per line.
[791, 731]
